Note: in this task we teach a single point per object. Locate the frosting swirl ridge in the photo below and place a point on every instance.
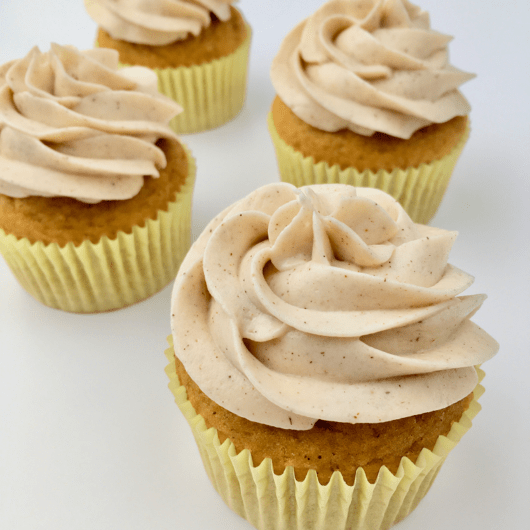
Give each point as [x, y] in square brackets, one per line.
[156, 22]
[72, 125]
[367, 66]
[326, 302]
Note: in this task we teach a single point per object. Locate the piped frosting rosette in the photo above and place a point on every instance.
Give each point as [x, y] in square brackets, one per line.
[326, 302]
[72, 125]
[157, 22]
[369, 65]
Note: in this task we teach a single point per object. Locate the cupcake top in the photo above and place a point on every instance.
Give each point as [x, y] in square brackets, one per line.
[326, 302]
[157, 22]
[367, 66]
[73, 125]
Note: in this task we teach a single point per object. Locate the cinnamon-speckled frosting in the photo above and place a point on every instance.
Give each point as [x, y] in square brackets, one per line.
[157, 22]
[326, 302]
[367, 66]
[72, 125]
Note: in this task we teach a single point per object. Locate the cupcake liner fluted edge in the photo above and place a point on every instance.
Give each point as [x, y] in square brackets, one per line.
[109, 274]
[210, 94]
[280, 502]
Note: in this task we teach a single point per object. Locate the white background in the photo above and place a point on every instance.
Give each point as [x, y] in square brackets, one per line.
[90, 437]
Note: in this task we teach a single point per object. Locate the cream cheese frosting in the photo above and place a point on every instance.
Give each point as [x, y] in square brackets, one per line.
[73, 125]
[367, 66]
[156, 22]
[326, 302]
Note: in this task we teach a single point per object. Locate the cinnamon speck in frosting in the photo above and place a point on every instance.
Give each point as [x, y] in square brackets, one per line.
[368, 66]
[74, 125]
[339, 308]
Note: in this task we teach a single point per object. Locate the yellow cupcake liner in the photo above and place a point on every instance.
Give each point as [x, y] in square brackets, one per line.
[112, 273]
[211, 94]
[418, 189]
[280, 502]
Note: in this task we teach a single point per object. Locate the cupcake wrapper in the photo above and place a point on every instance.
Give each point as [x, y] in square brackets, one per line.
[280, 502]
[210, 94]
[418, 189]
[112, 273]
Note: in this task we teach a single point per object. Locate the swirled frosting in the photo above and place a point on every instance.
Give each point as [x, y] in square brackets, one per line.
[72, 125]
[325, 302]
[367, 66]
[156, 22]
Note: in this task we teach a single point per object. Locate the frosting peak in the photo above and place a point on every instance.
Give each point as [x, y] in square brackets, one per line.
[369, 65]
[156, 22]
[326, 302]
[73, 125]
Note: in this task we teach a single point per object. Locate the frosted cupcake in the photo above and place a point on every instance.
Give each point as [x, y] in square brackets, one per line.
[95, 188]
[199, 50]
[323, 357]
[366, 96]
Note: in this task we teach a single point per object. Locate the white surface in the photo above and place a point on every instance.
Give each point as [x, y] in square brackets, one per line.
[90, 437]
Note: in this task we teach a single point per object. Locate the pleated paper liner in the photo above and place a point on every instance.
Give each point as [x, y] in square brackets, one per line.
[112, 273]
[418, 189]
[211, 94]
[280, 502]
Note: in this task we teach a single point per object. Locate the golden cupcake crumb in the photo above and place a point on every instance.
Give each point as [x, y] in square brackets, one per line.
[217, 40]
[328, 446]
[61, 220]
[379, 151]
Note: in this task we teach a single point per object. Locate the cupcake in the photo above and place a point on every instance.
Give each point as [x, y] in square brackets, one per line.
[322, 356]
[95, 187]
[199, 50]
[366, 96]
